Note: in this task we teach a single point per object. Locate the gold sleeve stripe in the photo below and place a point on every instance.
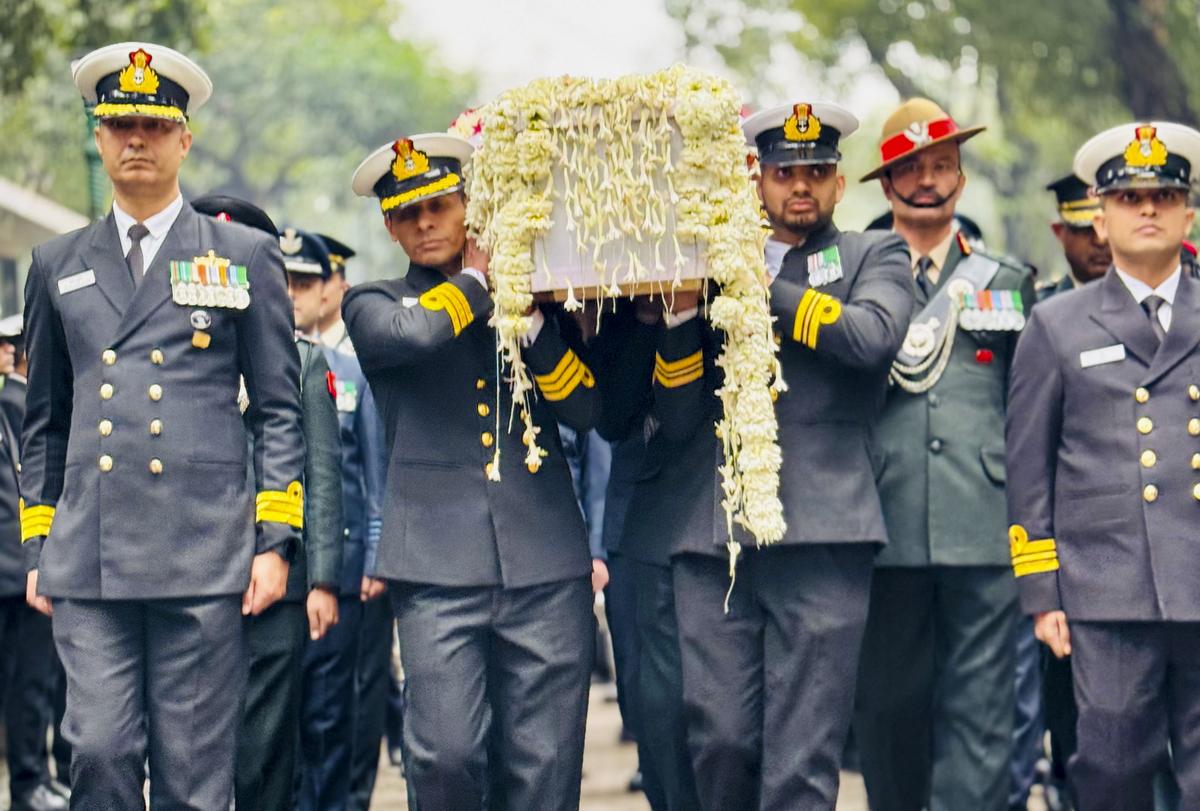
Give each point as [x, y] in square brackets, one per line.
[449, 298]
[816, 310]
[281, 507]
[35, 521]
[1031, 557]
[673, 374]
[565, 378]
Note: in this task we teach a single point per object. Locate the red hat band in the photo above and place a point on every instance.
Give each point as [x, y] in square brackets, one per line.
[915, 136]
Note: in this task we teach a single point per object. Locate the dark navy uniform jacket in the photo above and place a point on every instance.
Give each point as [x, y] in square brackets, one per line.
[12, 564]
[363, 464]
[1103, 448]
[430, 358]
[837, 343]
[134, 467]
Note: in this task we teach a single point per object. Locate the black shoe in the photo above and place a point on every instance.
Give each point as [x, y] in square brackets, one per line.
[635, 783]
[61, 789]
[40, 798]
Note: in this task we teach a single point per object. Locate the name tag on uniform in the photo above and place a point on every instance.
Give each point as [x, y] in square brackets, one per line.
[1105, 354]
[76, 281]
[409, 301]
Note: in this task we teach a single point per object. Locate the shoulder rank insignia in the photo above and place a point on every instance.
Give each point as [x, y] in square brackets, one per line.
[138, 76]
[802, 125]
[1145, 149]
[991, 311]
[825, 267]
[210, 281]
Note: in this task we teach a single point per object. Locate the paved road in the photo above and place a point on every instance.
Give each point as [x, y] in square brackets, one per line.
[607, 766]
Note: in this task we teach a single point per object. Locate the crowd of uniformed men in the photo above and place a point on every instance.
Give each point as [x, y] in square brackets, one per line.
[227, 494]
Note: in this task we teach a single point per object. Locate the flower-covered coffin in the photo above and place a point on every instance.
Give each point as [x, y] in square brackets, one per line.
[606, 188]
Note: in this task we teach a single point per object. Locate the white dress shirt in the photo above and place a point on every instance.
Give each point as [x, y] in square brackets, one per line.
[159, 224]
[1166, 291]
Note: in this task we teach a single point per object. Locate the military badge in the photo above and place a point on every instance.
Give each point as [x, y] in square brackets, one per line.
[210, 281]
[410, 161]
[991, 311]
[138, 76]
[290, 242]
[201, 339]
[825, 267]
[1145, 149]
[201, 319]
[802, 125]
[346, 397]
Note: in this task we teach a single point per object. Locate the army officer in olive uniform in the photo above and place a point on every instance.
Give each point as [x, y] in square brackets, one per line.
[1103, 455]
[488, 568]
[768, 686]
[936, 681]
[143, 532]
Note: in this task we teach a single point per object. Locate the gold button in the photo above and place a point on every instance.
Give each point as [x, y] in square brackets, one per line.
[1194, 392]
[487, 439]
[106, 463]
[1149, 458]
[106, 391]
[488, 468]
[156, 357]
[109, 357]
[483, 409]
[1196, 461]
[156, 466]
[155, 392]
[1196, 492]
[155, 427]
[480, 384]
[1150, 493]
[1194, 427]
[1141, 395]
[105, 427]
[1145, 425]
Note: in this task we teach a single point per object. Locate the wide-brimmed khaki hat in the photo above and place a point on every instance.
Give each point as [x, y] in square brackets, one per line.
[915, 125]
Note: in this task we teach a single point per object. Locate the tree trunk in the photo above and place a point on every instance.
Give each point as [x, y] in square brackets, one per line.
[1150, 80]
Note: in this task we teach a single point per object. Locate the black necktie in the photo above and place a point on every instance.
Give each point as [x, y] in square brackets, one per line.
[923, 280]
[137, 267]
[1152, 304]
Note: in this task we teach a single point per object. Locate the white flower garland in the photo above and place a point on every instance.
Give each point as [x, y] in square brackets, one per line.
[614, 141]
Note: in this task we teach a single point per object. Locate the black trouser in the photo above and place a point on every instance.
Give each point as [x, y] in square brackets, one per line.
[935, 706]
[268, 735]
[768, 686]
[371, 675]
[663, 745]
[327, 712]
[26, 692]
[156, 681]
[1137, 686]
[497, 687]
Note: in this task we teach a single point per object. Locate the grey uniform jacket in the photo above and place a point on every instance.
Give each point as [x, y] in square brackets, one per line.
[108, 365]
[942, 452]
[837, 376]
[431, 361]
[1104, 457]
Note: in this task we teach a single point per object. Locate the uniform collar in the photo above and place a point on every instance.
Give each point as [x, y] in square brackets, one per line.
[334, 335]
[939, 254]
[158, 223]
[1140, 290]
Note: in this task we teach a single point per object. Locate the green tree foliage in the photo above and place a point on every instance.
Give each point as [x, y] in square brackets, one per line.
[1042, 75]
